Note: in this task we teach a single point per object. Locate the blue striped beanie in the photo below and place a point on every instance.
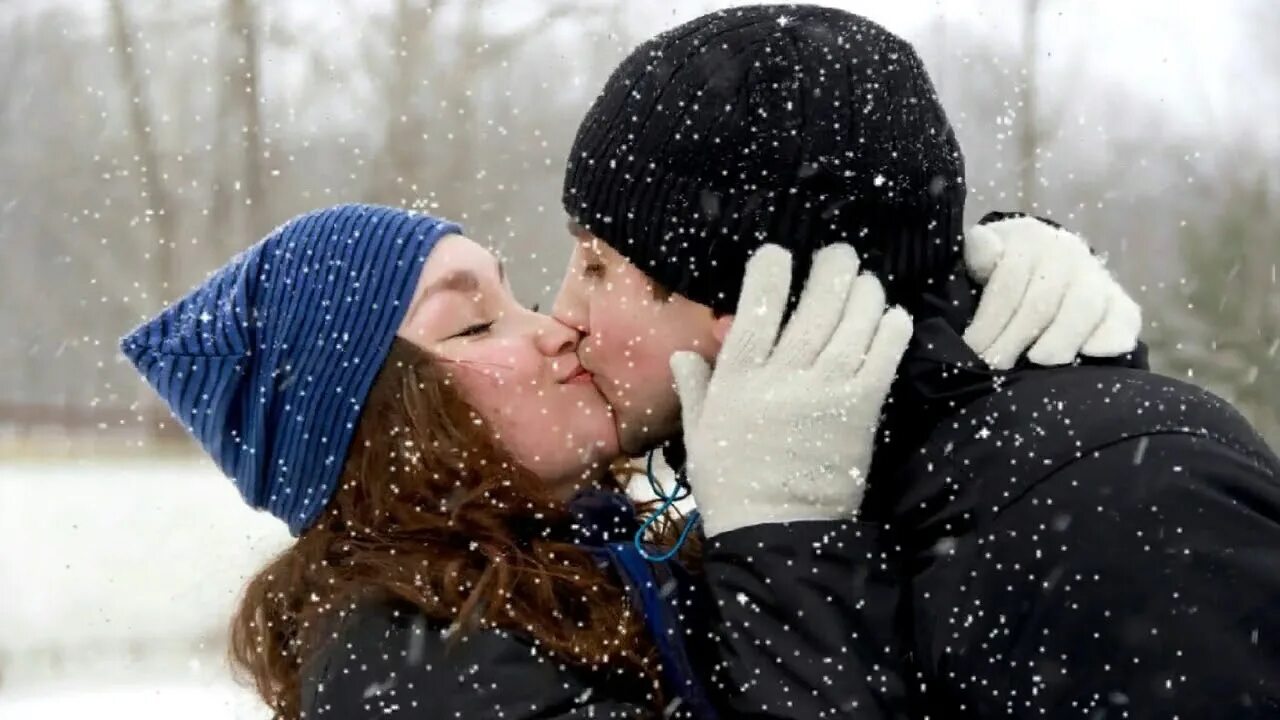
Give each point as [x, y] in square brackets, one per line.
[268, 362]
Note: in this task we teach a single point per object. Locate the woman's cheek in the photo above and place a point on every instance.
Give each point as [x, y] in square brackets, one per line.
[502, 386]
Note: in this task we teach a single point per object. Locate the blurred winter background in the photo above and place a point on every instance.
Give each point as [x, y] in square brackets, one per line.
[145, 141]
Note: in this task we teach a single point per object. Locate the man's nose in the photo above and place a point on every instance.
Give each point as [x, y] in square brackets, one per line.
[570, 309]
[555, 338]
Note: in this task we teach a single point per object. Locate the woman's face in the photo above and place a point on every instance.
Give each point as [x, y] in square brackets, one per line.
[519, 369]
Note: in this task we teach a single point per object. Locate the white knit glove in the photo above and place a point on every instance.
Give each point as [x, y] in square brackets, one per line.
[1046, 291]
[783, 429]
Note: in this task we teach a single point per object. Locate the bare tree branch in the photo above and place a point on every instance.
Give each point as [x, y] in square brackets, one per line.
[502, 46]
[1029, 139]
[159, 208]
[410, 28]
[244, 26]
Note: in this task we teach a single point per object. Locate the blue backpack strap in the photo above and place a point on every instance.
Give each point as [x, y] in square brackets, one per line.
[656, 591]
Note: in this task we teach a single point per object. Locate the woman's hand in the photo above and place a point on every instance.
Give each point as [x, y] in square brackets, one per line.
[783, 429]
[1045, 291]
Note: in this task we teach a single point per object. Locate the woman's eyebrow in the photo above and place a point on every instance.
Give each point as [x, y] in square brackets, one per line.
[457, 281]
[463, 281]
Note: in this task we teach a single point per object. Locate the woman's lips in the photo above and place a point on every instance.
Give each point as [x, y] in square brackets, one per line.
[580, 377]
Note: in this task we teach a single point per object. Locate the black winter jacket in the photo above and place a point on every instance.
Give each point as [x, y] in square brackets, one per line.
[770, 631]
[1085, 542]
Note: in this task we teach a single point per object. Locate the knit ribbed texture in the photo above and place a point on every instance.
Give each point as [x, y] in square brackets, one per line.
[791, 124]
[269, 361]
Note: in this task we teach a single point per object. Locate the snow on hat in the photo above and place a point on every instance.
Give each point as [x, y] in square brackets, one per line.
[268, 362]
[790, 124]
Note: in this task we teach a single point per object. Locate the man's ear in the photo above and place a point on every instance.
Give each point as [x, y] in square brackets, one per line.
[720, 328]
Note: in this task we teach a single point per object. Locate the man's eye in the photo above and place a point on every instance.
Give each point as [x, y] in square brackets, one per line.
[593, 270]
[473, 330]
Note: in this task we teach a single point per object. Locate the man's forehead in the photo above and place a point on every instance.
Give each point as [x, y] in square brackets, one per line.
[578, 232]
[586, 239]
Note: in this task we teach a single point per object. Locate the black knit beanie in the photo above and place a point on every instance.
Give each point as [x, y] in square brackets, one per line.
[791, 124]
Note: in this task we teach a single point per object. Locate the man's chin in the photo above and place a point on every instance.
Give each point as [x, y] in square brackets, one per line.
[641, 443]
[639, 435]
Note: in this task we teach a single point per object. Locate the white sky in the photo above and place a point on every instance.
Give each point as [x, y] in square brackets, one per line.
[1192, 57]
[1187, 55]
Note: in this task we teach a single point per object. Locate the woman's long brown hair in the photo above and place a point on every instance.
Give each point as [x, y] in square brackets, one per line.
[430, 511]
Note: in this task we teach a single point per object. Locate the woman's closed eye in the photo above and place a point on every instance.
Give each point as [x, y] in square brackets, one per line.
[473, 330]
[481, 328]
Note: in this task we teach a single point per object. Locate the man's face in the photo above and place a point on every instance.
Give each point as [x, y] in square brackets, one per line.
[630, 329]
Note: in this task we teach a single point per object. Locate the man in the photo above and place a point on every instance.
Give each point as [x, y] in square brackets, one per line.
[1092, 540]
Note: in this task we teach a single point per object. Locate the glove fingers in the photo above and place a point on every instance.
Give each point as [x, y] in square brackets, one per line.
[849, 343]
[692, 375]
[1118, 333]
[1001, 296]
[759, 314]
[885, 354]
[1059, 261]
[982, 250]
[1083, 308]
[821, 306]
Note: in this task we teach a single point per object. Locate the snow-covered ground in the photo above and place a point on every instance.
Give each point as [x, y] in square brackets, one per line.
[145, 699]
[117, 580]
[116, 584]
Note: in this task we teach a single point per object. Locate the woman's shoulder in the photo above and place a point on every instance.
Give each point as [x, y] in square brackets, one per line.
[373, 621]
[386, 658]
[390, 632]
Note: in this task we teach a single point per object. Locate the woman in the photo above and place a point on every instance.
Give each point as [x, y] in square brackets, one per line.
[366, 375]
